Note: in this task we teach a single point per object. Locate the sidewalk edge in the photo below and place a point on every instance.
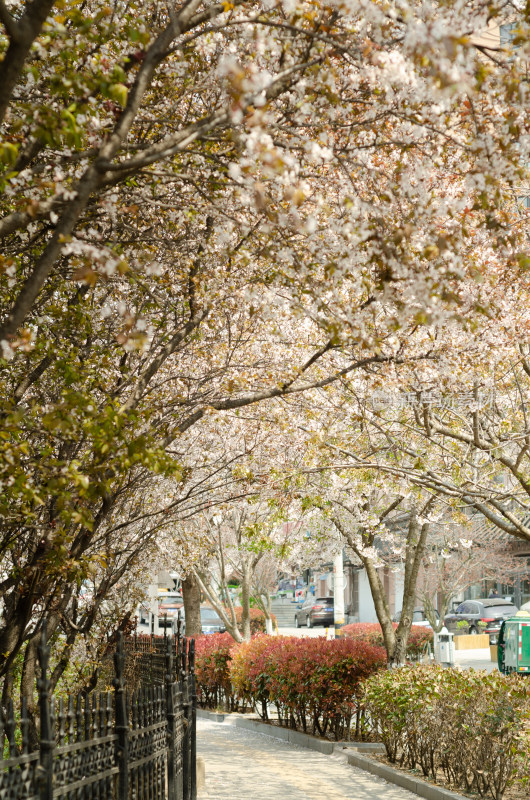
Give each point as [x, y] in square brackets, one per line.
[413, 784]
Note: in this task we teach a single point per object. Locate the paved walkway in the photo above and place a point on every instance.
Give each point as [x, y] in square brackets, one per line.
[475, 659]
[251, 766]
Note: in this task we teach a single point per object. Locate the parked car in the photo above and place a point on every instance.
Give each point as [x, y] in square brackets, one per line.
[173, 599]
[491, 612]
[167, 620]
[418, 617]
[170, 607]
[315, 611]
[211, 622]
[168, 616]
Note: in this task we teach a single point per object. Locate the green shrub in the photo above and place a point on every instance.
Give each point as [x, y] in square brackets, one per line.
[249, 682]
[471, 725]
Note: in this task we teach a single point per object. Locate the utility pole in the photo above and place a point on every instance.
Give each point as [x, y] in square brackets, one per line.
[338, 593]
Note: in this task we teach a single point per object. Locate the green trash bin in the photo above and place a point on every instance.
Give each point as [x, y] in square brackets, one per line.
[513, 654]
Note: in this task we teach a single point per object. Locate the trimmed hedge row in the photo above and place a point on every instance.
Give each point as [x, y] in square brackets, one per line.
[212, 672]
[257, 619]
[314, 684]
[418, 638]
[469, 727]
[472, 727]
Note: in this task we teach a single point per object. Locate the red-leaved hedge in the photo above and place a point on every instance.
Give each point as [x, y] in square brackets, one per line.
[314, 684]
[371, 632]
[257, 620]
[212, 671]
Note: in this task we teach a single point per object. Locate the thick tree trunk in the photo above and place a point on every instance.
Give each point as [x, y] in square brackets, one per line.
[191, 593]
[27, 688]
[399, 655]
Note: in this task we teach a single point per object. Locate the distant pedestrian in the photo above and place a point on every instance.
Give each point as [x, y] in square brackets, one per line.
[493, 593]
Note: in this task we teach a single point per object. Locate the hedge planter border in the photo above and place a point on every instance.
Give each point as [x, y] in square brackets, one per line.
[287, 735]
[355, 759]
[213, 716]
[413, 784]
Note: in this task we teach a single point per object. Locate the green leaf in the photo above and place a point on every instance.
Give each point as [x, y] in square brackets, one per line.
[8, 153]
[119, 92]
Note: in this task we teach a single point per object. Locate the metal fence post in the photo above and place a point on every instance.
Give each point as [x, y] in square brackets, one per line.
[186, 784]
[170, 715]
[47, 739]
[193, 722]
[121, 721]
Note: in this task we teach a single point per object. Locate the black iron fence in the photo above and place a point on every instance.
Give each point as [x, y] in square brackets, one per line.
[134, 743]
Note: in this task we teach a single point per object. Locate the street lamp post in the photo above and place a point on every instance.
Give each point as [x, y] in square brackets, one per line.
[338, 593]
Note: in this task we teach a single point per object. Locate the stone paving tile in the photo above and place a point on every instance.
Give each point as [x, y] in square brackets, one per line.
[251, 766]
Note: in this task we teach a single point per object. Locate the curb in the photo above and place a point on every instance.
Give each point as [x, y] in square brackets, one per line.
[213, 716]
[355, 759]
[359, 747]
[288, 735]
[285, 734]
[415, 785]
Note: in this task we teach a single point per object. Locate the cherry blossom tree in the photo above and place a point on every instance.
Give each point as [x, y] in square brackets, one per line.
[452, 564]
[210, 205]
[466, 440]
[240, 539]
[383, 528]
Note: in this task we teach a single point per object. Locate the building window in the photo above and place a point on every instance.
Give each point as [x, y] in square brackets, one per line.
[524, 585]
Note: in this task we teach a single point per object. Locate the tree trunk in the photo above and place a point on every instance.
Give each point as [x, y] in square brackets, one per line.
[437, 622]
[245, 604]
[267, 610]
[380, 600]
[27, 687]
[191, 593]
[382, 609]
[263, 602]
[228, 615]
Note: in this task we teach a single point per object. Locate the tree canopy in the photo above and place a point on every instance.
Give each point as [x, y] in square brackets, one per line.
[209, 205]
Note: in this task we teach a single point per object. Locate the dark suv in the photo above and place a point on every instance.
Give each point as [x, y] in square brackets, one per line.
[491, 612]
[315, 611]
